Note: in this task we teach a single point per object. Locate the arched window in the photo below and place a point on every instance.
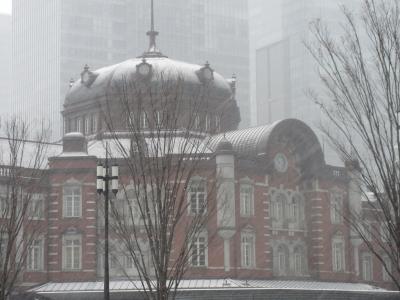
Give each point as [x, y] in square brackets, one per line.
[366, 266]
[299, 265]
[282, 260]
[278, 206]
[338, 260]
[296, 210]
[248, 249]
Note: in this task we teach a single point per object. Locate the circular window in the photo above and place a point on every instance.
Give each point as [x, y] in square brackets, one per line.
[280, 162]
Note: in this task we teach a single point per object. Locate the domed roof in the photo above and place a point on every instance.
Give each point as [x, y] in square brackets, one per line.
[103, 81]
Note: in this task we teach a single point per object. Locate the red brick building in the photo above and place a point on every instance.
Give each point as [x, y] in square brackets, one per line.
[288, 205]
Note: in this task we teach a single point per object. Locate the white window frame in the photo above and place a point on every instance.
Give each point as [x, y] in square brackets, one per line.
[76, 250]
[76, 208]
[278, 207]
[367, 271]
[199, 249]
[36, 207]
[197, 125]
[158, 118]
[87, 124]
[336, 208]
[144, 123]
[246, 199]
[197, 197]
[338, 254]
[93, 125]
[282, 260]
[217, 123]
[299, 261]
[35, 257]
[248, 249]
[79, 124]
[296, 209]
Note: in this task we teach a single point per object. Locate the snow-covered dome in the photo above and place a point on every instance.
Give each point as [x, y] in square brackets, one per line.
[152, 70]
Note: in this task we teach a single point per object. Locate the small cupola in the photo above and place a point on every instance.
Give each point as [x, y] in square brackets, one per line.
[224, 146]
[74, 142]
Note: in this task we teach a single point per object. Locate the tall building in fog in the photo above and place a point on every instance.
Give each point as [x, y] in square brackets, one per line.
[5, 64]
[282, 70]
[53, 40]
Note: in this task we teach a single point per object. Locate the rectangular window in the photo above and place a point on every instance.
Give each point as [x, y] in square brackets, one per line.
[35, 256]
[336, 209]
[217, 123]
[87, 125]
[197, 198]
[367, 267]
[143, 121]
[248, 250]
[197, 124]
[338, 255]
[199, 252]
[246, 200]
[130, 120]
[388, 264]
[72, 252]
[4, 207]
[159, 118]
[78, 125]
[36, 207]
[93, 128]
[72, 201]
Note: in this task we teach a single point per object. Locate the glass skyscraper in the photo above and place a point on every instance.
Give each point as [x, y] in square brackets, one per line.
[282, 71]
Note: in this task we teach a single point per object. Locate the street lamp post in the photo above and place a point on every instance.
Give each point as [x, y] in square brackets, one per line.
[103, 179]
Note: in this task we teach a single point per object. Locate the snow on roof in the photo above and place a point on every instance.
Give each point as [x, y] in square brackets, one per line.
[98, 147]
[196, 284]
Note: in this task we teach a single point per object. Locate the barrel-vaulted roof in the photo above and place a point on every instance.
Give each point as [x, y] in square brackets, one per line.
[257, 141]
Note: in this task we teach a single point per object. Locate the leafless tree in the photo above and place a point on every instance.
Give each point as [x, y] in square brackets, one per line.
[168, 177]
[361, 72]
[22, 187]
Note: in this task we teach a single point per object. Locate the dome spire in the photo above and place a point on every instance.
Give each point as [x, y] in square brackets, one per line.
[153, 51]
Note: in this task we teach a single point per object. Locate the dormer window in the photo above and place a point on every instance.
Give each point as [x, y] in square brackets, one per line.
[87, 76]
[206, 73]
[144, 69]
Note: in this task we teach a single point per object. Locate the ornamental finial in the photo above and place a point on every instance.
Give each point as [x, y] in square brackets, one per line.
[153, 51]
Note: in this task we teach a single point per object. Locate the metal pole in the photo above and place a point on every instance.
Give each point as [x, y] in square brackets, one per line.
[106, 266]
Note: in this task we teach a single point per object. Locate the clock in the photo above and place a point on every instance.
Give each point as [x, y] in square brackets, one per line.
[280, 162]
[144, 69]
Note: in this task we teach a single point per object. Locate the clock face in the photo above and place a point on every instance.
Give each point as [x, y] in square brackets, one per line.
[144, 69]
[280, 162]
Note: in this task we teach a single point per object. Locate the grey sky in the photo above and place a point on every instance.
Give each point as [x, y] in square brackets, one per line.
[5, 6]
